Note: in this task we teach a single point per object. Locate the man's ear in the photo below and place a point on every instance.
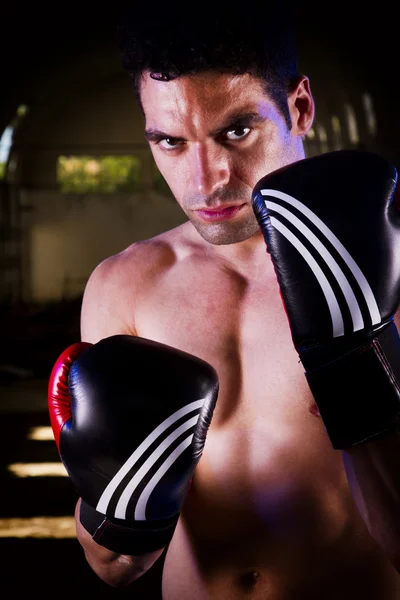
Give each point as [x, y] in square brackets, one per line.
[301, 106]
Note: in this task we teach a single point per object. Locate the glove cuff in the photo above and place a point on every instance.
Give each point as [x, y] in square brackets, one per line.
[358, 394]
[114, 534]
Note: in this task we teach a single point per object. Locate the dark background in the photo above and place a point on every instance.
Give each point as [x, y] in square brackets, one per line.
[362, 41]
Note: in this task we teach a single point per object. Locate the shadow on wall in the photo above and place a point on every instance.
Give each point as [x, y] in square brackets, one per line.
[34, 336]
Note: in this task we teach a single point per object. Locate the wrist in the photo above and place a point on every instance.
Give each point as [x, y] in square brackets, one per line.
[137, 538]
[358, 393]
[319, 354]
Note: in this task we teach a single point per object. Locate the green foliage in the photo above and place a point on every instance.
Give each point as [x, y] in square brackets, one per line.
[105, 175]
[2, 170]
[22, 110]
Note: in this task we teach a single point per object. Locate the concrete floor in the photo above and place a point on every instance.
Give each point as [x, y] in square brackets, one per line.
[44, 567]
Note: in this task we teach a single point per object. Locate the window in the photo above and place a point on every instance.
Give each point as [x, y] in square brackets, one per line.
[5, 145]
[352, 125]
[6, 139]
[94, 174]
[369, 113]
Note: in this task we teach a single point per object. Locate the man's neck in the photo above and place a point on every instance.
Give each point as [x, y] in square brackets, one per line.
[246, 257]
[248, 251]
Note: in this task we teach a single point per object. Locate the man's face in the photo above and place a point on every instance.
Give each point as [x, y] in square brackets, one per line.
[213, 136]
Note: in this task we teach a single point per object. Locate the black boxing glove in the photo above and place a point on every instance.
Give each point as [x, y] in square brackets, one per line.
[130, 418]
[333, 232]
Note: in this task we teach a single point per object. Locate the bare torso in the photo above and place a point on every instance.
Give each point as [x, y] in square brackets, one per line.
[269, 513]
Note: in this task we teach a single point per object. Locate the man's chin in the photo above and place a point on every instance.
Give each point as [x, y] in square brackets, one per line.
[226, 233]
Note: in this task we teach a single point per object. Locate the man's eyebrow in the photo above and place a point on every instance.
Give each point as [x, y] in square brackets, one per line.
[238, 119]
[155, 135]
[233, 120]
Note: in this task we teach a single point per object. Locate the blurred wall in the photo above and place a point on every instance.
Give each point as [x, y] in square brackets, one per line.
[67, 237]
[82, 109]
[83, 104]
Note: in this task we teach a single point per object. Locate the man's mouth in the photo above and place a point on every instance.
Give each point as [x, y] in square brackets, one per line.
[219, 213]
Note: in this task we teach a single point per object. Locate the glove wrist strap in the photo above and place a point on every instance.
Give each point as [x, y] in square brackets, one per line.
[115, 535]
[358, 394]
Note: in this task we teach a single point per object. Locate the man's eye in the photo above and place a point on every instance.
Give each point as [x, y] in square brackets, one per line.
[169, 143]
[238, 133]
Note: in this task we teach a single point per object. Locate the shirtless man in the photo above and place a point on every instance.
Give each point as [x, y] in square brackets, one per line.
[274, 511]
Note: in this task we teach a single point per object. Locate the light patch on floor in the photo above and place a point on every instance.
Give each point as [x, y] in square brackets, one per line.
[38, 527]
[50, 469]
[40, 433]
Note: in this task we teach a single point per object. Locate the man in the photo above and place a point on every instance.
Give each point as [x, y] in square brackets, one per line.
[272, 510]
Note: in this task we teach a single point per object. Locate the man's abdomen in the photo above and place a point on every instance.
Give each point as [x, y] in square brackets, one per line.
[273, 519]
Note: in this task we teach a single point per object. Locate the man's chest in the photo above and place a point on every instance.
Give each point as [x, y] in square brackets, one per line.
[241, 329]
[267, 458]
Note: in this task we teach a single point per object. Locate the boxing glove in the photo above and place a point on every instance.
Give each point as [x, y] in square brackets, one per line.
[130, 418]
[332, 229]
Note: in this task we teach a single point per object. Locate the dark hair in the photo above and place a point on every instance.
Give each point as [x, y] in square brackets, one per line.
[169, 42]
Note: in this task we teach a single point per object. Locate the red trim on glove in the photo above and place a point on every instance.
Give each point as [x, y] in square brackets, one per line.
[59, 402]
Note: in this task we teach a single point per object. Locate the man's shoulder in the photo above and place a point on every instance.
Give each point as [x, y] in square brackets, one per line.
[143, 258]
[119, 283]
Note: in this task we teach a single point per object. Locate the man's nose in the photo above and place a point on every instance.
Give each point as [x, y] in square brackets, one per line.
[211, 168]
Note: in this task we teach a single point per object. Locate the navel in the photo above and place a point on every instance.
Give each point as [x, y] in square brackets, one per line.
[249, 579]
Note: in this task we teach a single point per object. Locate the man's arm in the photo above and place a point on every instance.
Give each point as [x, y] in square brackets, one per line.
[373, 472]
[117, 570]
[341, 291]
[106, 308]
[129, 441]
[104, 313]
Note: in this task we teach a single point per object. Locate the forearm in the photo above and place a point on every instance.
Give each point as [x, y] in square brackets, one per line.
[117, 570]
[129, 505]
[373, 472]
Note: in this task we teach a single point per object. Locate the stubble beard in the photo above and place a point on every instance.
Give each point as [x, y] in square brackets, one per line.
[228, 232]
